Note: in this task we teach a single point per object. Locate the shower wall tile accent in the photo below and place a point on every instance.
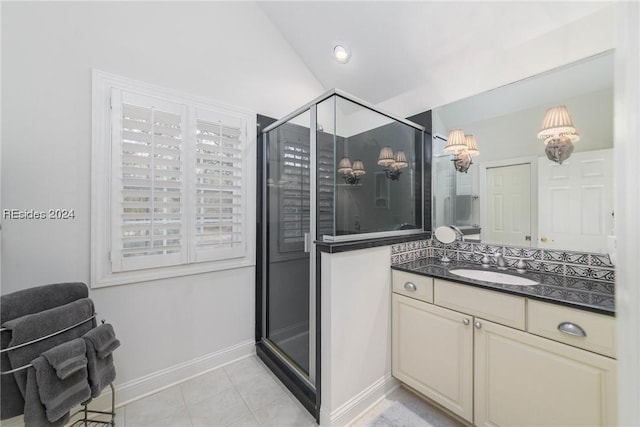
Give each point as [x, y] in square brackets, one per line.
[566, 263]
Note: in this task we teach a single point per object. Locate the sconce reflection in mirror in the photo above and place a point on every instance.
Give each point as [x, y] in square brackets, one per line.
[559, 134]
[392, 163]
[351, 174]
[463, 147]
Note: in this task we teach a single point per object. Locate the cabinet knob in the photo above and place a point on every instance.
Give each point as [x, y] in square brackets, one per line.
[478, 325]
[571, 329]
[465, 321]
[410, 287]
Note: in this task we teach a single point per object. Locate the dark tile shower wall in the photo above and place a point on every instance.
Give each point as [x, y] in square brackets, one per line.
[566, 263]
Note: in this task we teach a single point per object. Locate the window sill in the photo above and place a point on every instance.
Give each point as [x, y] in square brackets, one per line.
[131, 277]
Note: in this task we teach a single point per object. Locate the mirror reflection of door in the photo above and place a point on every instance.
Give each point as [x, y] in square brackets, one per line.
[508, 207]
[575, 201]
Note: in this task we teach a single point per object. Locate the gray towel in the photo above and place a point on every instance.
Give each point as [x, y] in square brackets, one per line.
[32, 326]
[60, 396]
[103, 339]
[35, 414]
[21, 303]
[67, 358]
[101, 369]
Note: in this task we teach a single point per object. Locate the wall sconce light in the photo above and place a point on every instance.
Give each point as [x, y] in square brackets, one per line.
[351, 174]
[463, 147]
[392, 163]
[559, 134]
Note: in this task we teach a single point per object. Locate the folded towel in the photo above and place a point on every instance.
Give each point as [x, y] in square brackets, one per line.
[35, 414]
[101, 369]
[60, 396]
[67, 358]
[37, 325]
[21, 303]
[103, 339]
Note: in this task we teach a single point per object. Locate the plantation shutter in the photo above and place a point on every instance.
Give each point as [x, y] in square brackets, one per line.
[296, 196]
[325, 184]
[219, 178]
[148, 184]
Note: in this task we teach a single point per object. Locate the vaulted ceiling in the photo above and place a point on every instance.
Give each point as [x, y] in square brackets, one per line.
[397, 45]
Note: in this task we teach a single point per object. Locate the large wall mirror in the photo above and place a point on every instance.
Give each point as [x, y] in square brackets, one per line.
[512, 193]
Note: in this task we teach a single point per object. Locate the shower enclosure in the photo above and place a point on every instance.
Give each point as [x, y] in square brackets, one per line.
[335, 170]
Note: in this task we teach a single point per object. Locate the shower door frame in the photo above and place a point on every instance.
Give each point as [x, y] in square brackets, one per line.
[305, 388]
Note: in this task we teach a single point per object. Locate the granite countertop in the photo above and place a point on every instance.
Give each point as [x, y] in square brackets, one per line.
[585, 294]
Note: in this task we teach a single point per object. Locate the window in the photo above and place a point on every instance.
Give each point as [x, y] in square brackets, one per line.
[172, 178]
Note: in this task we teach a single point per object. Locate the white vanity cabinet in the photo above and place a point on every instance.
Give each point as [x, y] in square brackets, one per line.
[522, 379]
[432, 351]
[471, 352]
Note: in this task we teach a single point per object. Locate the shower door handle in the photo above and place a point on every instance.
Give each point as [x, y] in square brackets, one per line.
[307, 242]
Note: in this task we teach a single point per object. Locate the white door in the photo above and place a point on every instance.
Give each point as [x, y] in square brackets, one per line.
[508, 208]
[576, 202]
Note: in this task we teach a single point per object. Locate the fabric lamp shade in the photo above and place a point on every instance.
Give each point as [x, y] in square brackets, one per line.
[358, 168]
[472, 146]
[344, 166]
[455, 141]
[557, 123]
[386, 157]
[401, 160]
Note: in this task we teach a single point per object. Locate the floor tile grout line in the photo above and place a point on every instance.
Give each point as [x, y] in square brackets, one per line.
[288, 393]
[233, 387]
[184, 401]
[233, 384]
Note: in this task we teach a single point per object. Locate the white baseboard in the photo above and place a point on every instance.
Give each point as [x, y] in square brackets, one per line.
[346, 413]
[152, 383]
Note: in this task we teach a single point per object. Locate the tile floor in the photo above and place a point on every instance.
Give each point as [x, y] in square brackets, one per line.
[246, 394]
[403, 408]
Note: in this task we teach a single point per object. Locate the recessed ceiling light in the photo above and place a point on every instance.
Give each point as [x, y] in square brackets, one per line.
[342, 53]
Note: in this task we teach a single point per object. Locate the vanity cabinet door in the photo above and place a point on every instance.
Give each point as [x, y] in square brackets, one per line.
[525, 380]
[432, 352]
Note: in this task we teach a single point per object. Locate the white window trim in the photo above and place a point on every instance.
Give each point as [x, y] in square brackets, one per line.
[101, 171]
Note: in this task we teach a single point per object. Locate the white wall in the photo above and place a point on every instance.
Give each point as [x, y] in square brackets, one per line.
[627, 195]
[356, 332]
[493, 67]
[229, 52]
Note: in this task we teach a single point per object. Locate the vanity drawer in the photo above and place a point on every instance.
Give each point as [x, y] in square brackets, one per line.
[490, 305]
[545, 319]
[413, 285]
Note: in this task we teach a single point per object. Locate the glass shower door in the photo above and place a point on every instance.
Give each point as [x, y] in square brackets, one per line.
[286, 321]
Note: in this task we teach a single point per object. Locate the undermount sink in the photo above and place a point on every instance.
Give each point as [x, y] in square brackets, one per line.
[494, 277]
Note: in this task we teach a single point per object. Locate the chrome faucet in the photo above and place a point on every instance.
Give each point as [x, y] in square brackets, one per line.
[502, 263]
